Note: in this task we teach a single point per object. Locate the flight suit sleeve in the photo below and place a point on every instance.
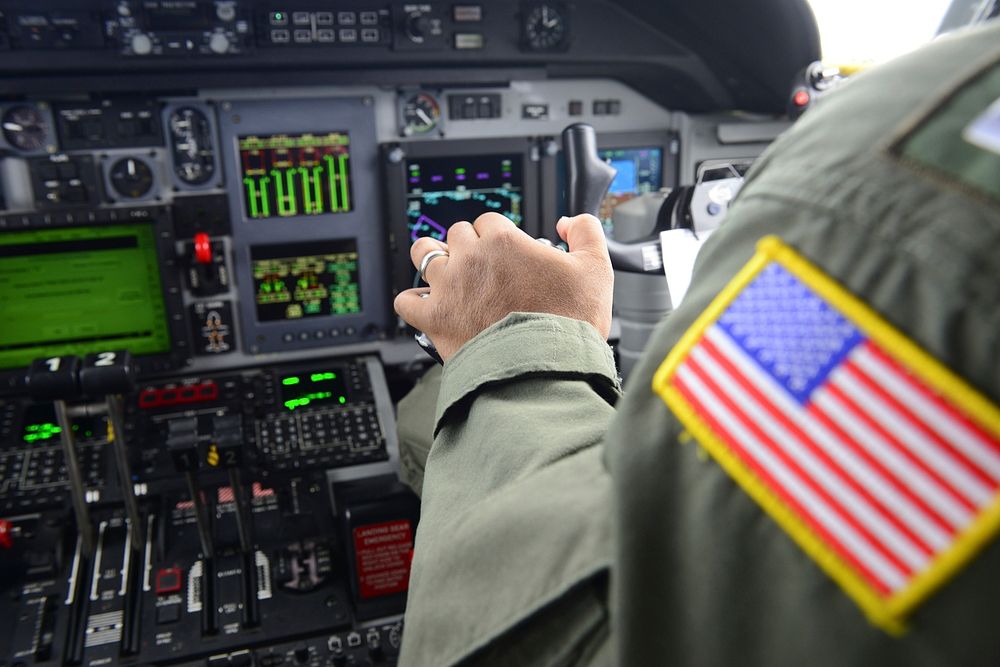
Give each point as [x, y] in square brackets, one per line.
[515, 491]
[415, 426]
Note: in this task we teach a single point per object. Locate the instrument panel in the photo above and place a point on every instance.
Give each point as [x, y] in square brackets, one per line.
[245, 250]
[222, 226]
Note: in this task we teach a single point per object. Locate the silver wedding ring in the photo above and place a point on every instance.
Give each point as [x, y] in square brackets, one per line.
[427, 260]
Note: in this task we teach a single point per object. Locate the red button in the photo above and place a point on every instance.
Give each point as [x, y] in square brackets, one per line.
[202, 248]
[5, 534]
[168, 580]
[149, 398]
[801, 98]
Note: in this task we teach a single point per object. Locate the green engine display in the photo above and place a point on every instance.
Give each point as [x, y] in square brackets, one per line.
[80, 290]
[296, 280]
[288, 175]
[311, 389]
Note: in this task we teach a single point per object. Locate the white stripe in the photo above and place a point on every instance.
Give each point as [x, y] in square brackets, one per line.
[910, 475]
[969, 442]
[901, 546]
[911, 514]
[813, 504]
[922, 447]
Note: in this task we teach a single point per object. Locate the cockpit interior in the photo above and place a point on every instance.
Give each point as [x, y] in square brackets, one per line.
[206, 211]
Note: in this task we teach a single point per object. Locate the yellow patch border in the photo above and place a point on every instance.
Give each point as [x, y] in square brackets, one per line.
[887, 614]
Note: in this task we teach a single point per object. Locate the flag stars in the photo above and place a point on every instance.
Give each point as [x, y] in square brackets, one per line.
[788, 329]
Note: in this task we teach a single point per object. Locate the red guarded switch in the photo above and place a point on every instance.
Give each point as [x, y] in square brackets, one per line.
[202, 248]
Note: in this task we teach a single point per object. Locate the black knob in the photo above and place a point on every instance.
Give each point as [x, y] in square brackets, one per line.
[301, 653]
[417, 26]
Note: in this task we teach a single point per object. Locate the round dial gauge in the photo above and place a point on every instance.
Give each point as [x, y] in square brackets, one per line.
[421, 114]
[24, 128]
[545, 27]
[131, 177]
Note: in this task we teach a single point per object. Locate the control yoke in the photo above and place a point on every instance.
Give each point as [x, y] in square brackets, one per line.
[587, 180]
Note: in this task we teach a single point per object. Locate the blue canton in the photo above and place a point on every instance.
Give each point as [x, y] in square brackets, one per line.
[790, 331]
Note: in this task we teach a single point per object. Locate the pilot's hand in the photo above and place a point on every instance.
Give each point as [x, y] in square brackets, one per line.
[494, 269]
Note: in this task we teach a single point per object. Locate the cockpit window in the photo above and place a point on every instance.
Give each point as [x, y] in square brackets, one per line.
[864, 32]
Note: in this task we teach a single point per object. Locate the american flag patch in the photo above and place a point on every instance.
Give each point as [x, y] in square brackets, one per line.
[877, 460]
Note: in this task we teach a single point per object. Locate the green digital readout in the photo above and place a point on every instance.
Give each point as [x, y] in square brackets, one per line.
[288, 175]
[297, 280]
[80, 290]
[311, 389]
[40, 427]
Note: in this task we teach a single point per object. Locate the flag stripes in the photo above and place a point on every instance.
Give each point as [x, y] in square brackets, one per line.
[885, 471]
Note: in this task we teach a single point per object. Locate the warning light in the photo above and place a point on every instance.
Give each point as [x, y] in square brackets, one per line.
[202, 248]
[800, 98]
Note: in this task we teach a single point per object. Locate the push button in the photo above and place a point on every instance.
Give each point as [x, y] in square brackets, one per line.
[168, 613]
[168, 580]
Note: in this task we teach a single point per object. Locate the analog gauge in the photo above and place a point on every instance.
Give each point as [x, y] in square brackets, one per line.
[25, 128]
[191, 140]
[421, 114]
[545, 26]
[131, 177]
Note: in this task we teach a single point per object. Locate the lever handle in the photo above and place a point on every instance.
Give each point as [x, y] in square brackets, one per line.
[587, 181]
[588, 177]
[54, 379]
[108, 374]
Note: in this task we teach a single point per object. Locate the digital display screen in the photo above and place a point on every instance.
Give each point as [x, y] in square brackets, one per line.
[178, 15]
[287, 175]
[640, 170]
[296, 280]
[311, 389]
[443, 191]
[40, 426]
[80, 290]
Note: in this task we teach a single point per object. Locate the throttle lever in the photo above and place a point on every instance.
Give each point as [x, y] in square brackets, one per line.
[587, 181]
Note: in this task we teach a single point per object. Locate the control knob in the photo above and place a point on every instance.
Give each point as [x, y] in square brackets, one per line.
[419, 26]
[219, 43]
[142, 45]
[225, 12]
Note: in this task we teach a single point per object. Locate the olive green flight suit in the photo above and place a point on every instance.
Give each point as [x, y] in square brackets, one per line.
[562, 526]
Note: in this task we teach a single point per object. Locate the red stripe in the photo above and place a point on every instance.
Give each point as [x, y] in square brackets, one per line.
[856, 409]
[844, 477]
[942, 404]
[775, 487]
[915, 421]
[846, 439]
[793, 465]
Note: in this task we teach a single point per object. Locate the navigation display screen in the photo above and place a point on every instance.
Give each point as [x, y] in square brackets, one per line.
[640, 170]
[288, 175]
[296, 280]
[443, 191]
[80, 290]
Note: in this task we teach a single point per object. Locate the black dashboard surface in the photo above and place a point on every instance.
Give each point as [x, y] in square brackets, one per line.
[693, 56]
